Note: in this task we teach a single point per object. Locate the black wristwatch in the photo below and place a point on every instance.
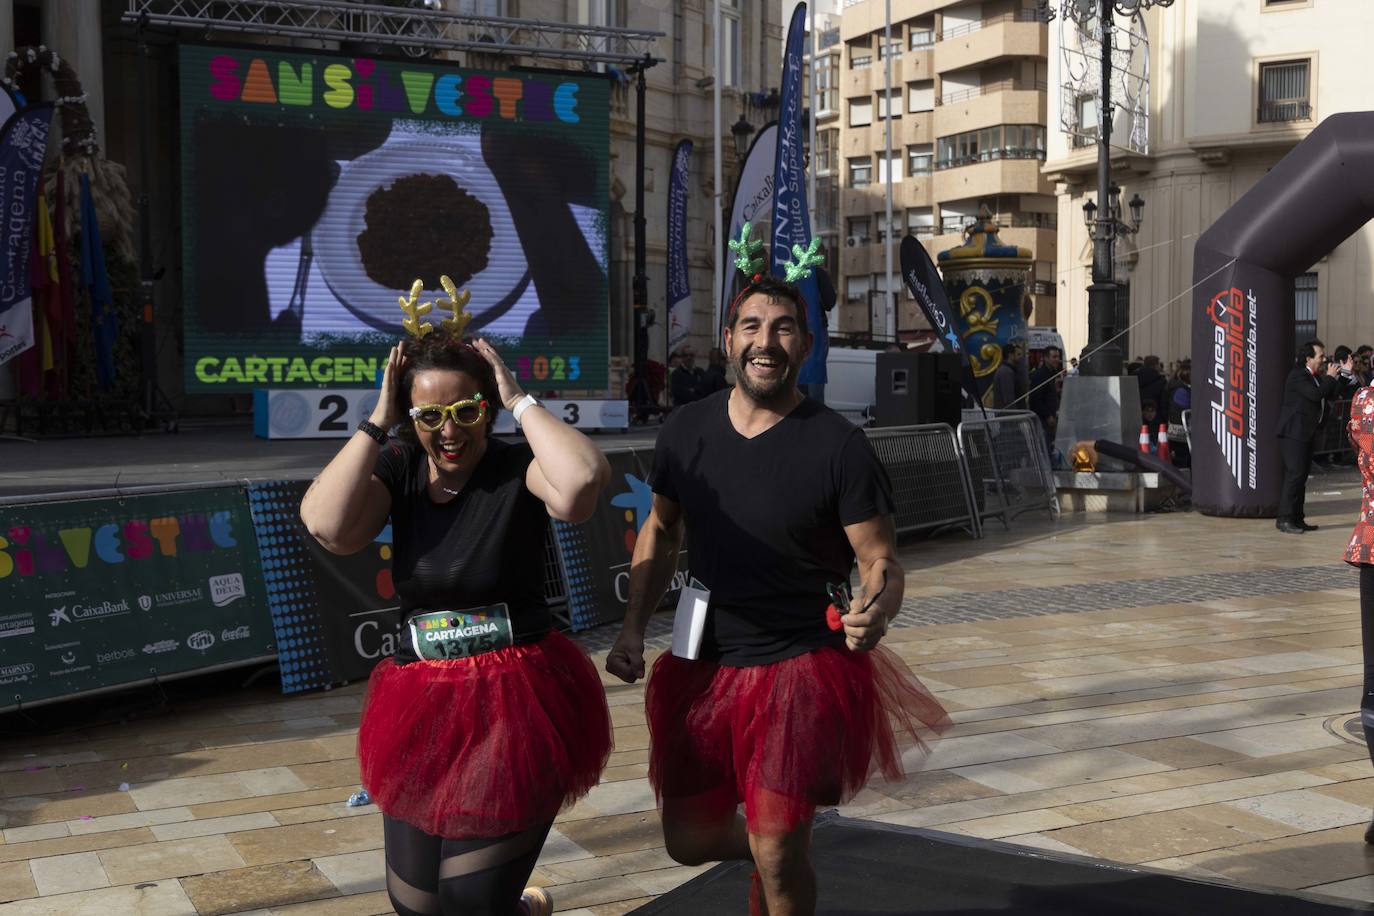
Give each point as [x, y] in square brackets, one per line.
[373, 430]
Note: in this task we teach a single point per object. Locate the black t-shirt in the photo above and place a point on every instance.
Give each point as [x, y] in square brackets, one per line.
[483, 547]
[765, 520]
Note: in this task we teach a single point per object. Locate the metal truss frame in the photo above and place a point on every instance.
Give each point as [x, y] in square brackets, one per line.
[415, 30]
[1080, 47]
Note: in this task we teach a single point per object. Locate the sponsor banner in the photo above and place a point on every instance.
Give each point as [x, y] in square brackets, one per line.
[596, 554]
[753, 204]
[334, 617]
[791, 223]
[101, 592]
[1242, 351]
[679, 292]
[23, 144]
[317, 187]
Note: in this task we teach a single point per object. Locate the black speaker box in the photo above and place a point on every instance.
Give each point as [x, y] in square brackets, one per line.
[914, 388]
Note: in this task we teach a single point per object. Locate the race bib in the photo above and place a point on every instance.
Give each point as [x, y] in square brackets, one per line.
[442, 635]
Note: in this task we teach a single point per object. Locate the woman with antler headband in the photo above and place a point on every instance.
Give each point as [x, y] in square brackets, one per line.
[487, 722]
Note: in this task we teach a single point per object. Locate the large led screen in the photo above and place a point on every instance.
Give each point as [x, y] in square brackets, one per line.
[316, 188]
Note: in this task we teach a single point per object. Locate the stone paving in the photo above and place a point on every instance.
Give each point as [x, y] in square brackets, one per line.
[1166, 690]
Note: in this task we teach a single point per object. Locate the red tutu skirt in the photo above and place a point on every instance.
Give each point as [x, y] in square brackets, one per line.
[488, 745]
[784, 738]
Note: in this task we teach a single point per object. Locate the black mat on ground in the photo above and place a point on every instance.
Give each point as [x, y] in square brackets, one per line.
[869, 868]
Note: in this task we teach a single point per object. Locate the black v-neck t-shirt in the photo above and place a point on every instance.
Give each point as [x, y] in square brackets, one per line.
[485, 546]
[765, 520]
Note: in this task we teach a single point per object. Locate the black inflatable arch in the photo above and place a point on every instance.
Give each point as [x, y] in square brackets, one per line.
[1243, 267]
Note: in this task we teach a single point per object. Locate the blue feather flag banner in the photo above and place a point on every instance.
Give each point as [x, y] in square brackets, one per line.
[791, 222]
[679, 288]
[104, 325]
[23, 144]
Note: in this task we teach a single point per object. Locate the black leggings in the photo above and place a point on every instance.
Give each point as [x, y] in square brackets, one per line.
[432, 876]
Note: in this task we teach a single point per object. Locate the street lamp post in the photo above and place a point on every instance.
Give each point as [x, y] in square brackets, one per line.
[1103, 356]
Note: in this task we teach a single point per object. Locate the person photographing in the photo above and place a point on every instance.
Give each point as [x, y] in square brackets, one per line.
[1306, 392]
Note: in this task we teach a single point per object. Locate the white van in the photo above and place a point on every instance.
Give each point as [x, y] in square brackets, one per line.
[851, 378]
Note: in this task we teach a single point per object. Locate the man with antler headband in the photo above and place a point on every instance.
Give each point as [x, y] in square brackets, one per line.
[790, 703]
[488, 721]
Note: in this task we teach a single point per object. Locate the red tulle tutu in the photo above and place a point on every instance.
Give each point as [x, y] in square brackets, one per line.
[784, 738]
[488, 745]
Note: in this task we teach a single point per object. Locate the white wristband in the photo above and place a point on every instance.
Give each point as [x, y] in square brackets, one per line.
[523, 405]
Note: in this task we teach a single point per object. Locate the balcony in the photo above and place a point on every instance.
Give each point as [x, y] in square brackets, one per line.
[857, 82]
[1002, 102]
[988, 179]
[1017, 34]
[911, 128]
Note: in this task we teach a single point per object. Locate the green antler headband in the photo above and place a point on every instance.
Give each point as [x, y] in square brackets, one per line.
[747, 251]
[803, 260]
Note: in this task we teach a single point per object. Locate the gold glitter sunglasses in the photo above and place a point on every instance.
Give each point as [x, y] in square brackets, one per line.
[431, 417]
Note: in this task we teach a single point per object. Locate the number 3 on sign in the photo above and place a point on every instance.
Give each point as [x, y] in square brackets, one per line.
[571, 414]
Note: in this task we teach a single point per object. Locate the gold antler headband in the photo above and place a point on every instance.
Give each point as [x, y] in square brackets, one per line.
[415, 309]
[454, 303]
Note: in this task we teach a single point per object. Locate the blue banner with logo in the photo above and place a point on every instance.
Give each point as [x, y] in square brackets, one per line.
[679, 290]
[23, 144]
[791, 223]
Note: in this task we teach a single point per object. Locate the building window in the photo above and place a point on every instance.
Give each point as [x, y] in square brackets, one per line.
[920, 96]
[1304, 307]
[891, 103]
[954, 219]
[919, 159]
[920, 222]
[922, 39]
[1032, 220]
[858, 230]
[860, 56]
[1008, 141]
[730, 45]
[826, 143]
[828, 212]
[880, 219]
[827, 83]
[860, 112]
[1085, 120]
[894, 48]
[856, 288]
[895, 161]
[1284, 91]
[860, 172]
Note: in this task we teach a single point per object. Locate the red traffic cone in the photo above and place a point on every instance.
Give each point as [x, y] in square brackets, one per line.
[1145, 438]
[1164, 454]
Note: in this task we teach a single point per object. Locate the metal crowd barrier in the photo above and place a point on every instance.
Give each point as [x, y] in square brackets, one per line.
[929, 481]
[1333, 439]
[1008, 465]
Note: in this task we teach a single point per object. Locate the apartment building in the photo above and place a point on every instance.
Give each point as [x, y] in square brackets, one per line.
[967, 107]
[1234, 86]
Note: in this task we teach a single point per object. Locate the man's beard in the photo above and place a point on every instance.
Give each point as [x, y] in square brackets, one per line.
[767, 393]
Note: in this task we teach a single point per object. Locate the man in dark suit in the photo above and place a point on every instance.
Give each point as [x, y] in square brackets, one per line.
[1310, 384]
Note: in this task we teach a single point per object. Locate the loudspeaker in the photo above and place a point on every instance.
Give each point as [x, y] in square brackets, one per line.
[914, 388]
